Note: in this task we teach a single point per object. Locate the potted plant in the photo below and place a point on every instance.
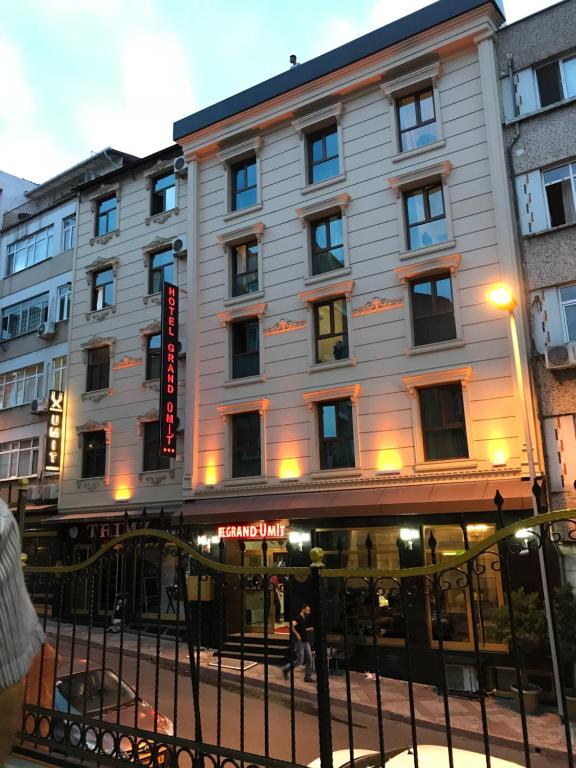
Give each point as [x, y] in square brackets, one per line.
[565, 611]
[530, 630]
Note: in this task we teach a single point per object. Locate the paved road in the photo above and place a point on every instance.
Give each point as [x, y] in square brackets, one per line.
[280, 728]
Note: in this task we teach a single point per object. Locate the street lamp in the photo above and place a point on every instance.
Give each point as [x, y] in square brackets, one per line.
[501, 297]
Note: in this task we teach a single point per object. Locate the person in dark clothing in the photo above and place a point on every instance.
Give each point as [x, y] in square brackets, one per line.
[298, 630]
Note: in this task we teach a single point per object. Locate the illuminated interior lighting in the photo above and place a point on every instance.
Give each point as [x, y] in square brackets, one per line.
[524, 533]
[202, 541]
[409, 534]
[289, 469]
[298, 537]
[477, 528]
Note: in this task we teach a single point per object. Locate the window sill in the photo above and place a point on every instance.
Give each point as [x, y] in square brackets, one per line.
[100, 314]
[325, 474]
[103, 239]
[162, 217]
[419, 151]
[541, 111]
[436, 347]
[445, 465]
[244, 299]
[243, 212]
[153, 385]
[550, 230]
[152, 298]
[155, 476]
[412, 254]
[326, 276]
[309, 188]
[96, 395]
[245, 380]
[241, 481]
[92, 483]
[350, 361]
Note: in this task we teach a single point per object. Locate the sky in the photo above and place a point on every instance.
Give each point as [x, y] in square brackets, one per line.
[81, 75]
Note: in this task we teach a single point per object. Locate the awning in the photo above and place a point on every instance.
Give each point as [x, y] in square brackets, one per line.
[98, 517]
[439, 498]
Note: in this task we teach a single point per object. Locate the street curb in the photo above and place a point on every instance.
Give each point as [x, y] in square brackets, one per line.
[210, 676]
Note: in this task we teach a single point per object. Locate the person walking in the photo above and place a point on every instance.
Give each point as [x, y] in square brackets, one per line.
[299, 628]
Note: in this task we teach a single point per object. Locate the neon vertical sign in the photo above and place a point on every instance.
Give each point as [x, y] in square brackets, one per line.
[169, 375]
[53, 454]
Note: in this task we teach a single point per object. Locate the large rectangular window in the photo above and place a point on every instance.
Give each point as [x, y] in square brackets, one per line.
[102, 288]
[68, 232]
[30, 250]
[331, 330]
[443, 422]
[24, 317]
[161, 270]
[153, 356]
[417, 120]
[63, 302]
[244, 184]
[327, 244]
[323, 161]
[163, 194]
[432, 309]
[106, 215]
[425, 216]
[58, 371]
[245, 348]
[21, 386]
[246, 445]
[98, 369]
[94, 454]
[19, 458]
[336, 434]
[152, 460]
[556, 81]
[560, 187]
[244, 268]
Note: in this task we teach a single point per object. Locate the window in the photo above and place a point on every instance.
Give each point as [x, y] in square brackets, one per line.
[425, 216]
[19, 458]
[103, 288]
[153, 356]
[323, 162]
[331, 330]
[556, 81]
[30, 250]
[245, 348]
[98, 369]
[568, 304]
[432, 309]
[152, 460]
[443, 422]
[163, 194]
[58, 370]
[106, 215]
[21, 386]
[244, 185]
[336, 434]
[63, 302]
[161, 270]
[94, 454]
[246, 450]
[24, 317]
[560, 188]
[416, 120]
[68, 232]
[244, 268]
[327, 244]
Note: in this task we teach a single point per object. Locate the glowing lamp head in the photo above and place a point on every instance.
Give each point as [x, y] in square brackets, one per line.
[122, 493]
[389, 460]
[501, 297]
[289, 469]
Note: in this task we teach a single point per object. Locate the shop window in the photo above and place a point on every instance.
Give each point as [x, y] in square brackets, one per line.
[152, 460]
[94, 454]
[245, 348]
[331, 330]
[425, 216]
[153, 356]
[98, 368]
[417, 124]
[244, 184]
[336, 434]
[106, 215]
[327, 238]
[244, 268]
[102, 289]
[246, 445]
[323, 155]
[432, 309]
[443, 422]
[163, 194]
[161, 270]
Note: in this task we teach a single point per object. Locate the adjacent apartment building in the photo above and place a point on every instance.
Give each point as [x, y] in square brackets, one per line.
[347, 380]
[537, 68]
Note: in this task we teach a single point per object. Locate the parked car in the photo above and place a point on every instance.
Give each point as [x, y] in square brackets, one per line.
[429, 756]
[101, 694]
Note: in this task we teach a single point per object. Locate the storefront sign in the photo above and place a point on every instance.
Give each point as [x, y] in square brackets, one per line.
[253, 531]
[54, 437]
[109, 530]
[169, 375]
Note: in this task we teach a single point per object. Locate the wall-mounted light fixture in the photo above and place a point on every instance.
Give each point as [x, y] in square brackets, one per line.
[409, 536]
[289, 469]
[389, 462]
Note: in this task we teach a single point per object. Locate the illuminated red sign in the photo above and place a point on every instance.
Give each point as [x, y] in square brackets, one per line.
[253, 531]
[169, 375]
[54, 437]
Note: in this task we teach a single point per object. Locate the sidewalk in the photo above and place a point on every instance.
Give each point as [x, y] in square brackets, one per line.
[545, 730]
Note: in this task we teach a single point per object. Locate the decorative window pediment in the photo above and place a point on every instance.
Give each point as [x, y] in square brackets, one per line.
[151, 416]
[94, 426]
[237, 313]
[332, 393]
[406, 181]
[320, 116]
[396, 83]
[230, 409]
[328, 205]
[343, 288]
[237, 150]
[99, 264]
[423, 268]
[240, 235]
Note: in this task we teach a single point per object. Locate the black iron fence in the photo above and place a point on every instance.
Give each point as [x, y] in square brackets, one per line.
[158, 655]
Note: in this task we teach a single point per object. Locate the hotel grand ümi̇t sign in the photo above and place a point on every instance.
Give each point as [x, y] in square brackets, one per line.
[169, 371]
[53, 455]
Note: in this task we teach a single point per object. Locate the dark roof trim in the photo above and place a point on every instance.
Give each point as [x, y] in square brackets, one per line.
[367, 45]
[174, 150]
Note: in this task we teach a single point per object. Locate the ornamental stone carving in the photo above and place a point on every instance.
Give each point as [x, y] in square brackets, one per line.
[94, 426]
[96, 395]
[152, 415]
[127, 362]
[285, 326]
[377, 305]
[101, 263]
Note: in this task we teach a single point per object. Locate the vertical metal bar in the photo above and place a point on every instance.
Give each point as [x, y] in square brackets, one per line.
[73, 637]
[123, 594]
[158, 627]
[372, 600]
[61, 592]
[266, 588]
[91, 607]
[140, 576]
[410, 676]
[242, 635]
[104, 633]
[291, 656]
[219, 645]
[322, 678]
[347, 656]
[193, 659]
[179, 596]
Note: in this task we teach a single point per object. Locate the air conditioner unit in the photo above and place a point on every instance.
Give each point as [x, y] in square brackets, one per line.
[462, 678]
[560, 356]
[180, 166]
[34, 492]
[50, 492]
[39, 406]
[47, 330]
[181, 347]
[179, 246]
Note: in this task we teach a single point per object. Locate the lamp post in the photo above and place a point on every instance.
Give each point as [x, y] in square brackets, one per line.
[501, 296]
[21, 507]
